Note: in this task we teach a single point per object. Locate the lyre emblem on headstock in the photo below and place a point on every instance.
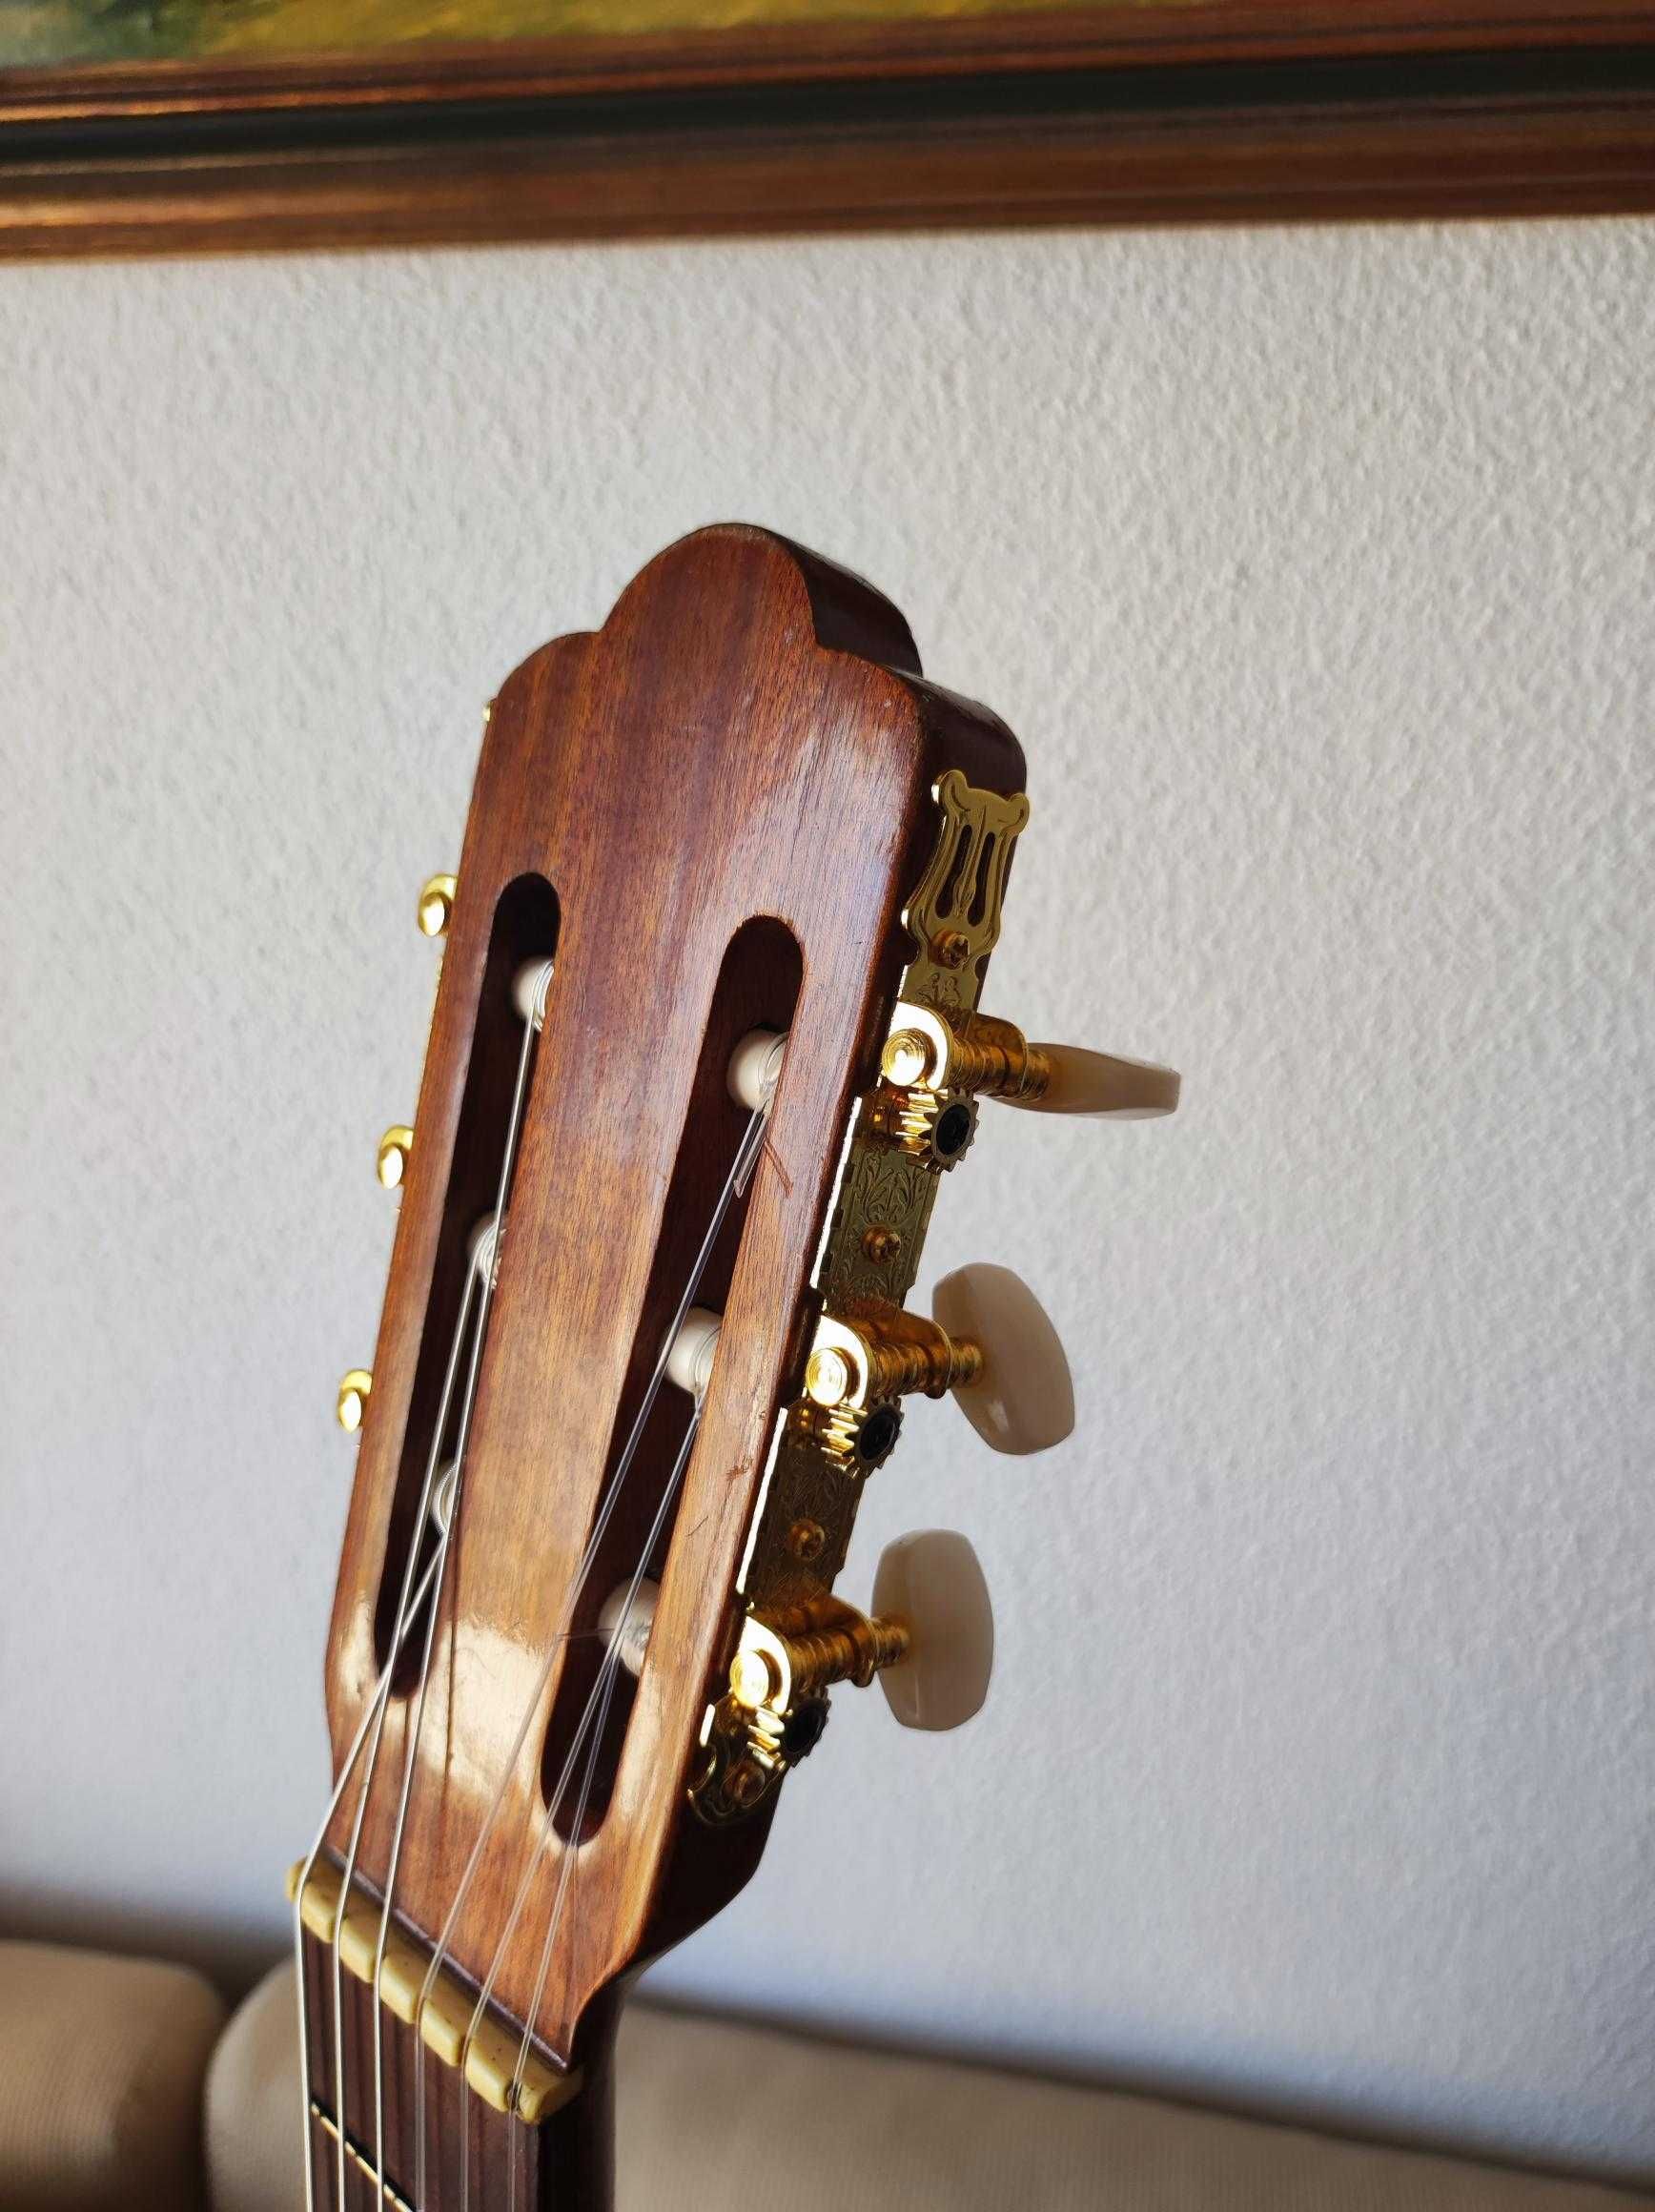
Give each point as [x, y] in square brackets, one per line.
[954, 913]
[705, 1047]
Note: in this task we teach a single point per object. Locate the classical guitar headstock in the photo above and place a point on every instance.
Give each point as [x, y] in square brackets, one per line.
[706, 1042]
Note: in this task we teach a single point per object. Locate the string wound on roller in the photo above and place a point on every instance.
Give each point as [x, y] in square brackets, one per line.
[692, 1349]
[625, 1621]
[529, 987]
[482, 1248]
[755, 1068]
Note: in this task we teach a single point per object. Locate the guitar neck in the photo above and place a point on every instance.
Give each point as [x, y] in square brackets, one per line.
[475, 2159]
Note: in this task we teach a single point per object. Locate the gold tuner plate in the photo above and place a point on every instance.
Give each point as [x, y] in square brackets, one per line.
[435, 908]
[391, 1164]
[839, 1426]
[351, 1406]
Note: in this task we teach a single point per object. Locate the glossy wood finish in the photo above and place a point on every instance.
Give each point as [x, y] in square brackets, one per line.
[748, 735]
[1216, 112]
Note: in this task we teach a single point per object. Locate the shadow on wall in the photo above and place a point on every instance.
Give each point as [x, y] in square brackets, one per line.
[231, 1957]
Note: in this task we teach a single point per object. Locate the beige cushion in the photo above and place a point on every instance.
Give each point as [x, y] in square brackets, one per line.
[714, 2115]
[255, 2143]
[101, 2065]
[821, 2128]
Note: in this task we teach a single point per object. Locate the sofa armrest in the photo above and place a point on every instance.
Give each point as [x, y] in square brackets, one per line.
[100, 2082]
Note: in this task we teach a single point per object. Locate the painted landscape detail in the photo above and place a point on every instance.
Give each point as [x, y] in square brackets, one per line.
[55, 33]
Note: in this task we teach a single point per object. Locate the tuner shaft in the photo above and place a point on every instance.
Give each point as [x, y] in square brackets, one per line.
[983, 1056]
[774, 1670]
[873, 1357]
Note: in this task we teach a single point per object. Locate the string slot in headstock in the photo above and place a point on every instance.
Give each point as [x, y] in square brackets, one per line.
[757, 990]
[522, 941]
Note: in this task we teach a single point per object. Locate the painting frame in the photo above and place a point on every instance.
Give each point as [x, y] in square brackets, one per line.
[1115, 113]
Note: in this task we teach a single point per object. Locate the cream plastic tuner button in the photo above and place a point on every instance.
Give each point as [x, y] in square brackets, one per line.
[1098, 1084]
[932, 1585]
[625, 1621]
[689, 1362]
[756, 1067]
[1020, 1398]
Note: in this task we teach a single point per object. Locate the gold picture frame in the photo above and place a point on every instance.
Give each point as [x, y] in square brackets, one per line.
[133, 126]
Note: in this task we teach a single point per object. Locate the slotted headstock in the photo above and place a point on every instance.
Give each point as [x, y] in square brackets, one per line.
[585, 1618]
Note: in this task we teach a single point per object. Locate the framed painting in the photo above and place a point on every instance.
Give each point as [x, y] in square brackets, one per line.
[161, 125]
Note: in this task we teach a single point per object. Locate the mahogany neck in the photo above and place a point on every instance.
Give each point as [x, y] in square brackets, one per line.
[576, 2149]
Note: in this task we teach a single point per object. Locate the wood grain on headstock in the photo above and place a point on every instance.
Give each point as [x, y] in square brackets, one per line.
[746, 736]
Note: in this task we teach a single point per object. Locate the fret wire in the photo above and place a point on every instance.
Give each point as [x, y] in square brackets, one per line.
[364, 2165]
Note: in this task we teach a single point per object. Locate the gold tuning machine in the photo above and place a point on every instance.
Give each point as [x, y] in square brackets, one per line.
[989, 1341]
[929, 1641]
[982, 1056]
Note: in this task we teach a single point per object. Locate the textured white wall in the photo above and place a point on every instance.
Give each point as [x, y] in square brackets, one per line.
[1315, 570]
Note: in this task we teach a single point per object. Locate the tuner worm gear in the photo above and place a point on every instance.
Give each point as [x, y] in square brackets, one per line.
[933, 1126]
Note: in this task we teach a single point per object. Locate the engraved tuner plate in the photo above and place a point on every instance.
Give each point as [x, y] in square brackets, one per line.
[882, 1211]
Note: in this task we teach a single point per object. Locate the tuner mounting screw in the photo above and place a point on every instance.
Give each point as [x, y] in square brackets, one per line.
[351, 1406]
[950, 948]
[391, 1164]
[881, 1241]
[807, 1540]
[435, 905]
